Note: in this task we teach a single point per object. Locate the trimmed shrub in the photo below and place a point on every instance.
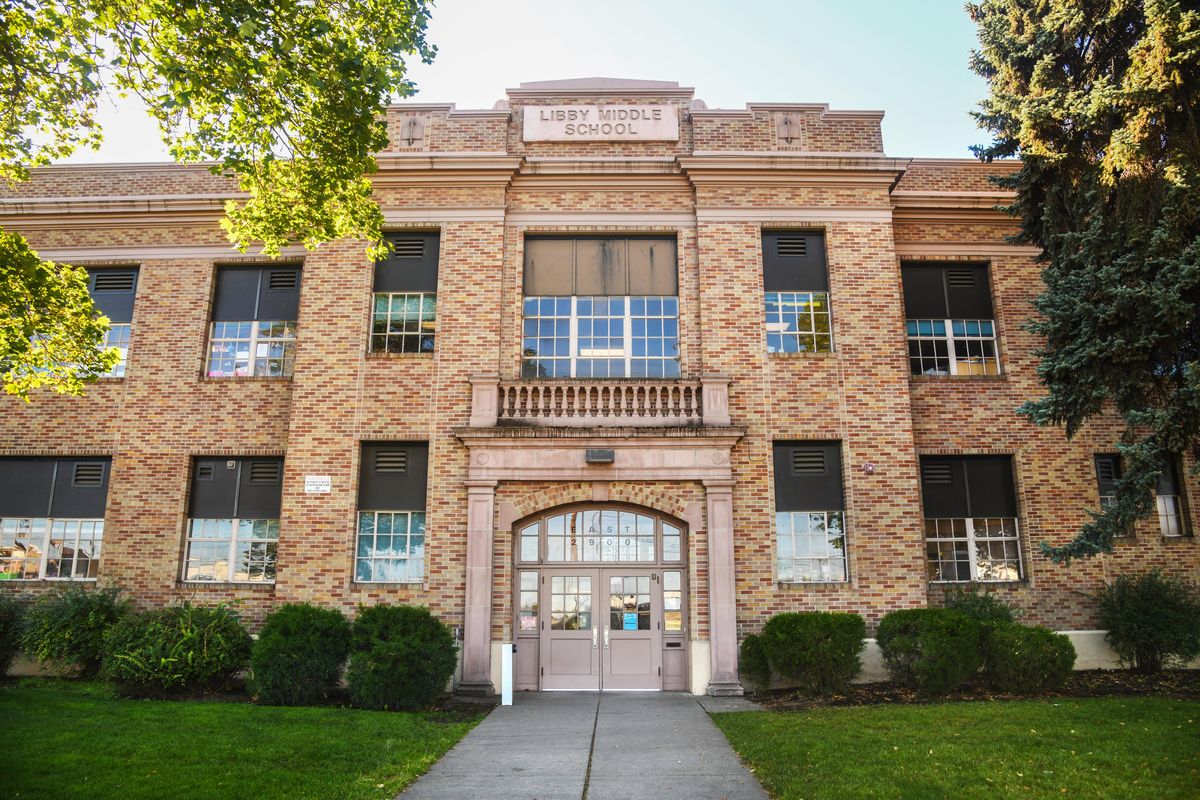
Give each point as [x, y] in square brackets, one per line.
[818, 651]
[1153, 620]
[401, 658]
[983, 607]
[180, 649]
[753, 665]
[299, 653]
[65, 628]
[12, 613]
[1025, 660]
[932, 650]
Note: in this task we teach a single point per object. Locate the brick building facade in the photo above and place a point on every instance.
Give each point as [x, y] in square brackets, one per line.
[693, 371]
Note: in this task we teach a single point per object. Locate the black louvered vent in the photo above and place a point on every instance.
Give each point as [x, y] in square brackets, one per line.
[264, 472]
[961, 278]
[88, 475]
[204, 472]
[409, 248]
[791, 246]
[808, 462]
[1105, 469]
[114, 280]
[937, 474]
[391, 461]
[282, 280]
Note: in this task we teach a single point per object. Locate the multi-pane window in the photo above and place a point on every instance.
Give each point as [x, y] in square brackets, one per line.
[810, 525]
[113, 291]
[570, 603]
[253, 330]
[404, 310]
[971, 529]
[1108, 472]
[600, 307]
[390, 541]
[672, 600]
[52, 517]
[950, 324]
[603, 535]
[527, 602]
[796, 292]
[1170, 501]
[233, 520]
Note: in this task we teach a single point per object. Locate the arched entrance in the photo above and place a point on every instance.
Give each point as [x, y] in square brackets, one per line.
[600, 600]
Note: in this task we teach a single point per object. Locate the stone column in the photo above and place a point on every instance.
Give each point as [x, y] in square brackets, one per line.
[722, 594]
[477, 622]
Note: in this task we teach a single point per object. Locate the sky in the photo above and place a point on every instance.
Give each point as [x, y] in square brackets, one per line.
[908, 58]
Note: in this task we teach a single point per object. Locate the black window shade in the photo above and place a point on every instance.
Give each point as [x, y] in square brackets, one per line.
[412, 265]
[113, 292]
[1168, 479]
[946, 291]
[808, 476]
[54, 487]
[392, 476]
[257, 293]
[794, 261]
[1108, 472]
[243, 488]
[968, 486]
[600, 266]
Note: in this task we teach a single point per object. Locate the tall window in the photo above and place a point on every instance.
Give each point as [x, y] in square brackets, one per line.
[254, 322]
[404, 310]
[1171, 501]
[233, 520]
[600, 307]
[390, 543]
[810, 520]
[796, 286]
[113, 292]
[970, 506]
[951, 329]
[52, 517]
[1108, 472]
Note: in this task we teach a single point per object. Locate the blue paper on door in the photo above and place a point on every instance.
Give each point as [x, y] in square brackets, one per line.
[630, 621]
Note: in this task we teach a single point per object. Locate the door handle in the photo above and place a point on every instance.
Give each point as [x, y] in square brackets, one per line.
[595, 633]
[605, 637]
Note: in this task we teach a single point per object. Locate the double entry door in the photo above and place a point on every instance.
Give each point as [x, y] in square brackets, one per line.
[603, 629]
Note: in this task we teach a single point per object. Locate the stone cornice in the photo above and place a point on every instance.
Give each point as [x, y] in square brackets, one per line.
[792, 168]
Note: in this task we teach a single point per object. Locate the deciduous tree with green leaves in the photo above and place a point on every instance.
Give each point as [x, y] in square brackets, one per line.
[287, 96]
[1100, 99]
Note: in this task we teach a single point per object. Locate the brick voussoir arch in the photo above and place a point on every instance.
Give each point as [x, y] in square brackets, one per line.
[539, 500]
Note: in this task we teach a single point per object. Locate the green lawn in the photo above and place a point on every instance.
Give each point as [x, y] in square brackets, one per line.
[66, 740]
[1121, 748]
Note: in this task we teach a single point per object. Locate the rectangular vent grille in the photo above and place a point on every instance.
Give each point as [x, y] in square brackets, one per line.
[937, 474]
[204, 472]
[409, 248]
[808, 462]
[1106, 469]
[114, 281]
[282, 280]
[961, 278]
[264, 472]
[88, 475]
[791, 246]
[391, 461]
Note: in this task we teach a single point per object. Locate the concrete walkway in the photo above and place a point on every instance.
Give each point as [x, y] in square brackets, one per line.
[587, 746]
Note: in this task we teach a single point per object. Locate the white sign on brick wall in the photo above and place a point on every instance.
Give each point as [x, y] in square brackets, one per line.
[602, 123]
[317, 484]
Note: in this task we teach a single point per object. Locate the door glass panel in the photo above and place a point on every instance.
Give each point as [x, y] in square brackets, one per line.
[671, 539]
[529, 543]
[672, 601]
[629, 602]
[528, 614]
[570, 602]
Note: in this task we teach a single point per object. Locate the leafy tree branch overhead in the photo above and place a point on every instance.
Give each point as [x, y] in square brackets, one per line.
[1101, 99]
[285, 95]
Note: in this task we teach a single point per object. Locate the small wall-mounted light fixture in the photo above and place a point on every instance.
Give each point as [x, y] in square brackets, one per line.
[231, 464]
[868, 468]
[600, 456]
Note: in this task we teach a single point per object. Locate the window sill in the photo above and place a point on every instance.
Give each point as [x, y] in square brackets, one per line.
[397, 356]
[964, 378]
[226, 584]
[1184, 538]
[28, 581]
[842, 584]
[805, 354]
[1018, 582]
[366, 585]
[110, 379]
[247, 379]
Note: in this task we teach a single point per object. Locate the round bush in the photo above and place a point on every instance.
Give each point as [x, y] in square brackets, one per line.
[299, 653]
[1026, 660]
[12, 612]
[65, 628]
[179, 649]
[753, 665]
[983, 607]
[401, 658]
[818, 651]
[932, 650]
[1153, 620]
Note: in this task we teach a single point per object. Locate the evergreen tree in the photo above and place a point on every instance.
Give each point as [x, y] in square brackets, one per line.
[1100, 99]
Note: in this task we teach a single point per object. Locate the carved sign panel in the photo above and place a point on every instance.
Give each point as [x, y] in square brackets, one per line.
[602, 123]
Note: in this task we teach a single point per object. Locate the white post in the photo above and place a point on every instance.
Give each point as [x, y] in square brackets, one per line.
[506, 672]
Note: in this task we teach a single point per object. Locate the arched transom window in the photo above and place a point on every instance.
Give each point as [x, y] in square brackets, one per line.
[599, 535]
